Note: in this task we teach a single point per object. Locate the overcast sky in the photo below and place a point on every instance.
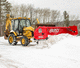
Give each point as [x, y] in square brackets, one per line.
[72, 6]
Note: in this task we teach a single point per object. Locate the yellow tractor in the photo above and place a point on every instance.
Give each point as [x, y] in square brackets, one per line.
[18, 29]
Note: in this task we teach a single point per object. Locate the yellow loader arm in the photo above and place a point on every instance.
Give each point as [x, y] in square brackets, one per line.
[8, 22]
[38, 21]
[7, 26]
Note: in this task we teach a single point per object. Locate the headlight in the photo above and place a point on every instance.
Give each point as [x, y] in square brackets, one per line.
[40, 30]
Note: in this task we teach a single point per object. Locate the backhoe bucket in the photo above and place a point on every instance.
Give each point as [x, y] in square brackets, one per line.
[6, 33]
[5, 37]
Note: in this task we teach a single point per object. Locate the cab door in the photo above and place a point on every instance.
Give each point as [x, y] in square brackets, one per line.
[16, 26]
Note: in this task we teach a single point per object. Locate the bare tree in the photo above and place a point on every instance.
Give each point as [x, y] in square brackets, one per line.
[44, 15]
[48, 15]
[59, 17]
[22, 10]
[36, 11]
[73, 17]
[40, 14]
[30, 11]
[15, 10]
[54, 15]
[27, 11]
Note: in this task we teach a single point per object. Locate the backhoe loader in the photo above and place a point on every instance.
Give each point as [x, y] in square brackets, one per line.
[18, 29]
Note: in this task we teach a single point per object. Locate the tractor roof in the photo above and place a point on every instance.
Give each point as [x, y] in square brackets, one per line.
[21, 18]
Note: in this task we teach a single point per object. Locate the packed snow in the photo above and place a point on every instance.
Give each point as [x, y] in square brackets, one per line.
[59, 51]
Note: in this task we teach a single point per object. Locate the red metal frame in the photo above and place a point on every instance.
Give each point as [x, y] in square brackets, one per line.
[54, 31]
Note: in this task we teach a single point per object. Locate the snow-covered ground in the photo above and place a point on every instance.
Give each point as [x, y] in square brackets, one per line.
[59, 51]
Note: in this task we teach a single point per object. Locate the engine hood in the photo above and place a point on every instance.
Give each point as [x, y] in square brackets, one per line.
[28, 28]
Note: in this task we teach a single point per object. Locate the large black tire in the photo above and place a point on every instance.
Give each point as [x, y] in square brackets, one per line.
[12, 39]
[24, 41]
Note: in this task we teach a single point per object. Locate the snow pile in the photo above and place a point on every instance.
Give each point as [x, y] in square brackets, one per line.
[52, 39]
[64, 53]
[3, 41]
[55, 38]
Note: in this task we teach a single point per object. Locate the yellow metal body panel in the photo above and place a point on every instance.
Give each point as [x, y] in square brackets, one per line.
[15, 33]
[27, 32]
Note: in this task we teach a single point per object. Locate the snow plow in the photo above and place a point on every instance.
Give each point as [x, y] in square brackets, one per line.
[42, 32]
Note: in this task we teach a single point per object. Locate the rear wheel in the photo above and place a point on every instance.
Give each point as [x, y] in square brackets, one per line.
[12, 39]
[24, 41]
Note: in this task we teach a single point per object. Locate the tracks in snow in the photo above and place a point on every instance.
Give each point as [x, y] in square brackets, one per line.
[10, 63]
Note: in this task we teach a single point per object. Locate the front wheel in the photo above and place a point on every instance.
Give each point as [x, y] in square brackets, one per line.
[24, 41]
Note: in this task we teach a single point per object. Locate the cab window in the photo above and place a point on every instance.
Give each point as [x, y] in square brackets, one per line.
[16, 25]
[12, 24]
[28, 23]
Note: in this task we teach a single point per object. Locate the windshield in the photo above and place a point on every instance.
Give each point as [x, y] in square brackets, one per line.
[25, 23]
[28, 23]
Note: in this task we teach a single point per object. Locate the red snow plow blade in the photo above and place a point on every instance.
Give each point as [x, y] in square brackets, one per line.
[42, 32]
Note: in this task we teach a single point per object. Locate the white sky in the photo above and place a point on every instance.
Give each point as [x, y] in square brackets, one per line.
[71, 6]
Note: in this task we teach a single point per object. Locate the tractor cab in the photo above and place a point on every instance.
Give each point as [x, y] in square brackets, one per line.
[19, 24]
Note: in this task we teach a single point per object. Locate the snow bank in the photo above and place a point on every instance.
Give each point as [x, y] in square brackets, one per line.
[64, 53]
[2, 40]
[52, 39]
